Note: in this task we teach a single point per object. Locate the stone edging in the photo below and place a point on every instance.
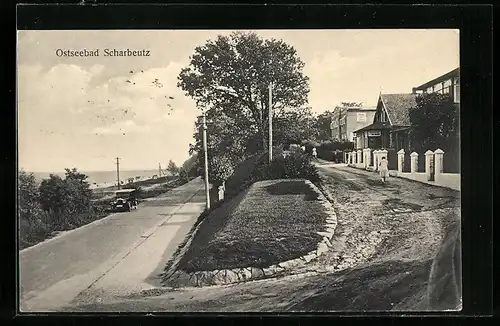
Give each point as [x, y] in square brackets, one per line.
[228, 276]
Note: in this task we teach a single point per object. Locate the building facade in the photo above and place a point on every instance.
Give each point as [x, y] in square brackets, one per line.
[390, 123]
[448, 83]
[347, 119]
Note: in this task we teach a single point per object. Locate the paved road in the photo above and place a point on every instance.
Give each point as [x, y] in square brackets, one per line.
[58, 270]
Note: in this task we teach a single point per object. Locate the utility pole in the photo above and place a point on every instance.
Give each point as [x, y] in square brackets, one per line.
[159, 170]
[118, 171]
[270, 122]
[205, 154]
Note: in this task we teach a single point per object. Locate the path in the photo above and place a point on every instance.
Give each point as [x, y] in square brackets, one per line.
[381, 256]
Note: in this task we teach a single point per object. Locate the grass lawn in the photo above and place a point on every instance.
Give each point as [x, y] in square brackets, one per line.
[273, 221]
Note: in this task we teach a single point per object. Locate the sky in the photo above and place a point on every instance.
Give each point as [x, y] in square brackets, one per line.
[84, 112]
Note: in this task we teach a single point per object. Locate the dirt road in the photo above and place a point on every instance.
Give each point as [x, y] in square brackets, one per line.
[381, 256]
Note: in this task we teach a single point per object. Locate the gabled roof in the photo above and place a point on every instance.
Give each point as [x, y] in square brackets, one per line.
[398, 107]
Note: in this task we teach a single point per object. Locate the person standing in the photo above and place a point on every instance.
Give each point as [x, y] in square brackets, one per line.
[384, 169]
[314, 153]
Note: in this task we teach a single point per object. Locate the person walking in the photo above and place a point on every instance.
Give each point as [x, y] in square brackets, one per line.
[384, 169]
[314, 153]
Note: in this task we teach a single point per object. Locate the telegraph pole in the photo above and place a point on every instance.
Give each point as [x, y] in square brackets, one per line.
[270, 122]
[205, 154]
[159, 170]
[118, 171]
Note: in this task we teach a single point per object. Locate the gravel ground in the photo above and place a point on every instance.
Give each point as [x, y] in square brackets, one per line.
[381, 256]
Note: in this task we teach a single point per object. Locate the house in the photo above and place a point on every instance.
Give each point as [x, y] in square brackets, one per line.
[390, 123]
[448, 83]
[347, 118]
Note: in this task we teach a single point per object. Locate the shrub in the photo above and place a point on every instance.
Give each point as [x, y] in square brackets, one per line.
[296, 165]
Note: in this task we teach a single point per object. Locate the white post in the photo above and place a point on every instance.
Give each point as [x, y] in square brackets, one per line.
[366, 153]
[414, 163]
[375, 159]
[205, 151]
[438, 164]
[429, 156]
[401, 160]
[359, 157]
[221, 193]
[270, 123]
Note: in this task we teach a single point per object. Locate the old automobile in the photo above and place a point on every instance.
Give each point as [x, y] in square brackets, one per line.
[125, 200]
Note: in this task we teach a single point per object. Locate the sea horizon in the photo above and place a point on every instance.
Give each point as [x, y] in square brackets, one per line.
[102, 177]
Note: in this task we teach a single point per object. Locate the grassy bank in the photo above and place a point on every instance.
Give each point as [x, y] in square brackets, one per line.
[273, 221]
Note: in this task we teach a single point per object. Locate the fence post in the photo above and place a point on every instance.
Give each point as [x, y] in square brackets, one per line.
[360, 160]
[221, 193]
[352, 158]
[429, 155]
[366, 153]
[375, 159]
[414, 164]
[401, 160]
[438, 164]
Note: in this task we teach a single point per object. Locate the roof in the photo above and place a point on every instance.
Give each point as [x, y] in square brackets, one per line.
[124, 191]
[375, 126]
[454, 73]
[398, 107]
[355, 108]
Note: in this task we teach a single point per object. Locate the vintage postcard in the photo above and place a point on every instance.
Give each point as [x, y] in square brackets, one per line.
[239, 170]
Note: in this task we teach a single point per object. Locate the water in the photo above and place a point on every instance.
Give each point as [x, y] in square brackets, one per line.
[104, 178]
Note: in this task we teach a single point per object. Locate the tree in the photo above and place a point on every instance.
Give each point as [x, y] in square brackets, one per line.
[28, 199]
[293, 127]
[352, 104]
[322, 125]
[66, 200]
[172, 168]
[229, 78]
[435, 122]
[220, 169]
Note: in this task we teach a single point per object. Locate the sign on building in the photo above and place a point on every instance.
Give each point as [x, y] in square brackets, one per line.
[375, 133]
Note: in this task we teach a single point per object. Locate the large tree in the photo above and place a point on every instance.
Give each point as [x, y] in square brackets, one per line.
[435, 122]
[322, 125]
[229, 78]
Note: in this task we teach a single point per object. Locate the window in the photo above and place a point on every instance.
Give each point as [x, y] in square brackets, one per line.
[361, 117]
[456, 92]
[430, 89]
[382, 116]
[447, 86]
[438, 88]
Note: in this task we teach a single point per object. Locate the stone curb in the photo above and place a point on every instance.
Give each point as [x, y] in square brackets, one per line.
[228, 276]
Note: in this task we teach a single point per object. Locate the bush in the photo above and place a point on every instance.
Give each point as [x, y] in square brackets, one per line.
[294, 166]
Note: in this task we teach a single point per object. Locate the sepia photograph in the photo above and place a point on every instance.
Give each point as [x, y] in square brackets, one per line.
[273, 170]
